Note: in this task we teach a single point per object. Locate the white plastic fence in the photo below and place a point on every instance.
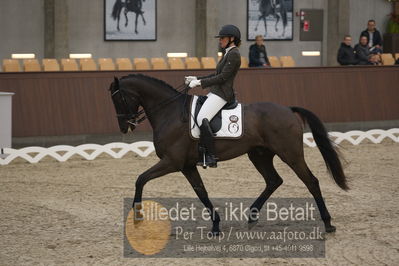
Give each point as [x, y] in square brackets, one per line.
[144, 148]
[356, 137]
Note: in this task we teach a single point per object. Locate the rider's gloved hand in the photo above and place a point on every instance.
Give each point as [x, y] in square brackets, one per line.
[188, 79]
[194, 83]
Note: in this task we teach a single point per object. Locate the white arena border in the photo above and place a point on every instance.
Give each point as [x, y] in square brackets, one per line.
[145, 148]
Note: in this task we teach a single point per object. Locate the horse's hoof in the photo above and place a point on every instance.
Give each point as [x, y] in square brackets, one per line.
[215, 232]
[137, 222]
[252, 223]
[138, 219]
[331, 229]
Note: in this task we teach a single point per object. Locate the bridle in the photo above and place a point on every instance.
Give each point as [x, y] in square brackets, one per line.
[131, 118]
[135, 119]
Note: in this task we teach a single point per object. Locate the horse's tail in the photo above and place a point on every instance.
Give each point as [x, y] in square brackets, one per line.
[325, 146]
[116, 10]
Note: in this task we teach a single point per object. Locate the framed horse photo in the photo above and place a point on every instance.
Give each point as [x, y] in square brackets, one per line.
[130, 20]
[273, 19]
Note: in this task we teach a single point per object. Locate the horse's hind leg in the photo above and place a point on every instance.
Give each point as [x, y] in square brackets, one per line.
[263, 161]
[142, 16]
[257, 23]
[298, 165]
[192, 175]
[265, 21]
[135, 23]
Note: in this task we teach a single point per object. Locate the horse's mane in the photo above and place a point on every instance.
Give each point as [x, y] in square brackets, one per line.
[151, 79]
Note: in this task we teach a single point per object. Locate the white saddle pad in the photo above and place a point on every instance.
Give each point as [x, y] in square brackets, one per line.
[232, 126]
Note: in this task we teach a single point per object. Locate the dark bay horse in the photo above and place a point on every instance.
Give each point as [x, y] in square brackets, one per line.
[272, 7]
[270, 130]
[129, 6]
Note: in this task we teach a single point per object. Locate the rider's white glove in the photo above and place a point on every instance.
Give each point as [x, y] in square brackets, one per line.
[188, 79]
[194, 83]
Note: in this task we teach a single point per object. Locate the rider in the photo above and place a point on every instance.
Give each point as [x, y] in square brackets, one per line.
[135, 5]
[221, 90]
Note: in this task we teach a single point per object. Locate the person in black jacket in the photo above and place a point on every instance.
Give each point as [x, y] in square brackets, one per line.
[374, 37]
[346, 54]
[257, 54]
[363, 53]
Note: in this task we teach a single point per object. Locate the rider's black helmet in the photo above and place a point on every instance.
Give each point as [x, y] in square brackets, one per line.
[229, 31]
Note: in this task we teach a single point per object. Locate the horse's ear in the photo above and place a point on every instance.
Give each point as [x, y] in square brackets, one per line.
[116, 82]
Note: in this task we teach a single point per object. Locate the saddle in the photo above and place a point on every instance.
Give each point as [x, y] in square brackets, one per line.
[134, 5]
[216, 122]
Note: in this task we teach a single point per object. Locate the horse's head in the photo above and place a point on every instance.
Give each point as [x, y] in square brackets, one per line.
[126, 105]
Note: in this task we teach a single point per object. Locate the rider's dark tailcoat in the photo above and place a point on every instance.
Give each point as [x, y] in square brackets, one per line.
[221, 83]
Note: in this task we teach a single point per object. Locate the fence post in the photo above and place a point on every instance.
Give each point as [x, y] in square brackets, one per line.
[5, 121]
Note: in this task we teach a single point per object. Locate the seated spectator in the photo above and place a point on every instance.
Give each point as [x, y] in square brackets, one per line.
[363, 54]
[373, 37]
[257, 53]
[346, 54]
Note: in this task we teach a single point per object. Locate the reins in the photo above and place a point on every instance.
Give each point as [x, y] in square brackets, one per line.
[135, 119]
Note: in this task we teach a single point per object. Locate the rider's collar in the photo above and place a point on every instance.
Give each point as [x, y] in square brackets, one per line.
[228, 49]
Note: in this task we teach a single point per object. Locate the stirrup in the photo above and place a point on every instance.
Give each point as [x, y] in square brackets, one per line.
[208, 160]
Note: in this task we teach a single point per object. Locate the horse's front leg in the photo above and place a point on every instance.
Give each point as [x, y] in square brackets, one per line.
[192, 175]
[163, 167]
[119, 18]
[277, 20]
[126, 19]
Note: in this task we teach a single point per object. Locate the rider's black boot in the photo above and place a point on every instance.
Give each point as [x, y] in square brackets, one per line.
[206, 146]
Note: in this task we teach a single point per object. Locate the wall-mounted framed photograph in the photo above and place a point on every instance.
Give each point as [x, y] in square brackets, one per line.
[273, 19]
[130, 20]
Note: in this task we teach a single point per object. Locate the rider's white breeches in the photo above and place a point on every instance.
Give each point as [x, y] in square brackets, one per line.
[210, 108]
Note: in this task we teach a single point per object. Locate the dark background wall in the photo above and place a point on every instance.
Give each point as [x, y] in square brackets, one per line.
[56, 104]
